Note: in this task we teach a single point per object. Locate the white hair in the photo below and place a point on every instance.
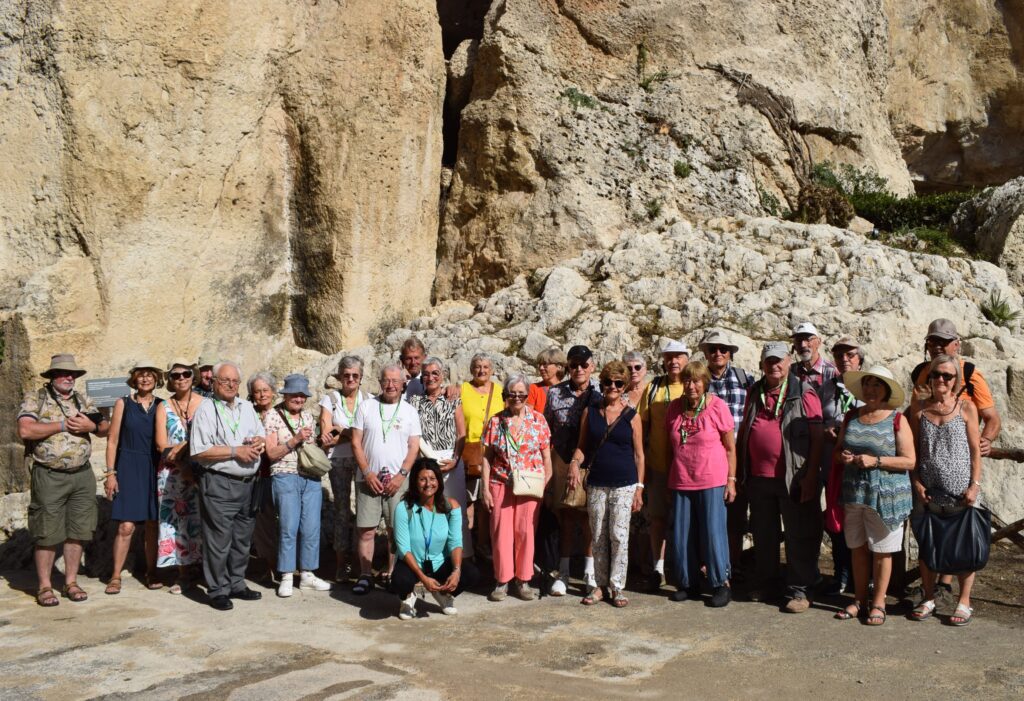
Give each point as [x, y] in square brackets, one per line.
[516, 379]
[432, 360]
[226, 364]
[386, 367]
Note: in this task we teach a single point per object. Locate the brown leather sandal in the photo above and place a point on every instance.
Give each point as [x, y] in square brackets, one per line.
[74, 592]
[45, 597]
[113, 586]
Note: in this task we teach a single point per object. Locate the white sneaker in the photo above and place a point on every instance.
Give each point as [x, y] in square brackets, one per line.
[446, 602]
[407, 609]
[560, 586]
[284, 589]
[499, 593]
[308, 580]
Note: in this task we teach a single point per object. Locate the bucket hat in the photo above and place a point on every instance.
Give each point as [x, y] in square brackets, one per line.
[717, 338]
[942, 328]
[296, 384]
[675, 347]
[62, 361]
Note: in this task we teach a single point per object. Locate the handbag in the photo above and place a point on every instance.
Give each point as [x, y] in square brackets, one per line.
[473, 451]
[313, 461]
[953, 543]
[576, 498]
[526, 483]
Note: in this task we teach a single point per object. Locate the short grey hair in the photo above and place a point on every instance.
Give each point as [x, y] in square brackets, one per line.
[432, 360]
[263, 376]
[226, 364]
[387, 367]
[481, 356]
[629, 356]
[350, 361]
[516, 379]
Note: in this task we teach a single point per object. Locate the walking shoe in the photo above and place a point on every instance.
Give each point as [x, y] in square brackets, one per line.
[284, 589]
[721, 596]
[407, 609]
[308, 580]
[525, 592]
[560, 586]
[499, 593]
[446, 602]
[797, 605]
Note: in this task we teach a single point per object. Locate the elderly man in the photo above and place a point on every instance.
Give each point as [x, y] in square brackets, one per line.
[54, 422]
[730, 383]
[836, 400]
[227, 441]
[779, 456]
[811, 366]
[385, 442]
[204, 378]
[657, 457]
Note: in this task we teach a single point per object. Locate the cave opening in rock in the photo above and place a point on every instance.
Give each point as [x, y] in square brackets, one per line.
[461, 20]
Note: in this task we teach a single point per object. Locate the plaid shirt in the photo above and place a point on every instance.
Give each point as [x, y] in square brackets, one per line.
[734, 393]
[819, 373]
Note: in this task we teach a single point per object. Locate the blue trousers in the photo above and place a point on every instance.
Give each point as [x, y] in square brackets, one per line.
[699, 535]
[298, 499]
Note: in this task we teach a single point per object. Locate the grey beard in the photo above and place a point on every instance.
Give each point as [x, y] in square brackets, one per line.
[804, 357]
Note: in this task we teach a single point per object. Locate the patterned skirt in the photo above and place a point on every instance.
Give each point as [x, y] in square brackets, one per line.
[180, 539]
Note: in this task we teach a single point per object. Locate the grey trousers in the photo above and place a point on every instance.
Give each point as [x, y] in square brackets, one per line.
[228, 521]
[802, 530]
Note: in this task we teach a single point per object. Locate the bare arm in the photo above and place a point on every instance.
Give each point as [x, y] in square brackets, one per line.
[327, 438]
[638, 457]
[114, 434]
[485, 477]
[460, 433]
[970, 414]
[989, 417]
[578, 454]
[905, 457]
[160, 436]
[30, 429]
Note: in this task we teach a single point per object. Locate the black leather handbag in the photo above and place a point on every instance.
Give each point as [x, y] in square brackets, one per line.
[955, 543]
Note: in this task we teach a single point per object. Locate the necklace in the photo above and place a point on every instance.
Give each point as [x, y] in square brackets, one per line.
[688, 427]
[939, 404]
[177, 407]
[145, 407]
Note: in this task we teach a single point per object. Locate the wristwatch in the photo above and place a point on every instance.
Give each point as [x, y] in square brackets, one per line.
[403, 472]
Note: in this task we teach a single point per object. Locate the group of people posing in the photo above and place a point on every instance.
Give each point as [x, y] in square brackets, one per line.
[460, 474]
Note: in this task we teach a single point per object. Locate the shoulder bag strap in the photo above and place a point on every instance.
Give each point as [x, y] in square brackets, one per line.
[487, 409]
[285, 419]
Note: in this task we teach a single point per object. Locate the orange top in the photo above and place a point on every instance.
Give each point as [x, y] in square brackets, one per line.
[982, 398]
[537, 397]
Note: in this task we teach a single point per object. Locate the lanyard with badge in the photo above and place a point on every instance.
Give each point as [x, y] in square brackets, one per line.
[428, 537]
[385, 426]
[345, 412]
[233, 426]
[691, 423]
[778, 402]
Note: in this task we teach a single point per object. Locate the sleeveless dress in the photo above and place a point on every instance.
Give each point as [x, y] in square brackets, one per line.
[136, 464]
[888, 493]
[944, 460]
[612, 465]
[180, 540]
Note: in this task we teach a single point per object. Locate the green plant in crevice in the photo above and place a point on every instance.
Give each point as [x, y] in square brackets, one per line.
[682, 169]
[644, 80]
[578, 99]
[653, 208]
[997, 309]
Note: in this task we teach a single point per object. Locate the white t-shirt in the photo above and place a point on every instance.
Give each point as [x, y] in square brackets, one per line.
[401, 421]
[334, 403]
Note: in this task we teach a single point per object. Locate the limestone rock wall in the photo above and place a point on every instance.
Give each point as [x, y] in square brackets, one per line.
[994, 222]
[255, 179]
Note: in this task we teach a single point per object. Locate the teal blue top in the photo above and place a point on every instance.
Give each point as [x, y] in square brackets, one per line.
[886, 492]
[412, 531]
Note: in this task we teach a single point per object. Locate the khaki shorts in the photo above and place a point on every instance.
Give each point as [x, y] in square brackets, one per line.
[371, 507]
[62, 506]
[656, 494]
[862, 524]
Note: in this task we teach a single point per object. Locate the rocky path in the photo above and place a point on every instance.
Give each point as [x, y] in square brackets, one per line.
[336, 646]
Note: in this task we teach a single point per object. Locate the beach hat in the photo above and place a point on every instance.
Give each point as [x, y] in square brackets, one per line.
[774, 349]
[845, 342]
[804, 328]
[62, 361]
[206, 361]
[146, 365]
[675, 347]
[717, 338]
[853, 378]
[942, 328]
[296, 384]
[181, 362]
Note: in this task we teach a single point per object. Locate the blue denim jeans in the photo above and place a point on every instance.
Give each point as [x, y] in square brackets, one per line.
[699, 535]
[298, 500]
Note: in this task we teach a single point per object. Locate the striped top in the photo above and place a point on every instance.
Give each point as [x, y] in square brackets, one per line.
[888, 493]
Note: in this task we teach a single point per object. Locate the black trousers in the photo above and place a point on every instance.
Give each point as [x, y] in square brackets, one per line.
[403, 579]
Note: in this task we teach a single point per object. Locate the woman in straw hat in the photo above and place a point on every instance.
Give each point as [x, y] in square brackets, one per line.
[131, 470]
[877, 455]
[178, 543]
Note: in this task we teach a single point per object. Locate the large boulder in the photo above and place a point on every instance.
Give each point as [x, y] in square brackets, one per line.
[993, 222]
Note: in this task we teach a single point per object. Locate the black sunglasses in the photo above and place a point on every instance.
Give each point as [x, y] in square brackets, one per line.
[618, 384]
[946, 376]
[718, 349]
[180, 375]
[577, 366]
[636, 368]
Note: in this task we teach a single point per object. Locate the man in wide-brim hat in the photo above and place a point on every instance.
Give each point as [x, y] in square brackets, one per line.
[54, 422]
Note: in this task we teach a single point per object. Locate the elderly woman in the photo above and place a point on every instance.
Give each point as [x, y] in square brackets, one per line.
[702, 480]
[131, 471]
[428, 542]
[297, 496]
[611, 445]
[444, 432]
[481, 399]
[261, 392]
[337, 414]
[517, 439]
[637, 367]
[947, 478]
[551, 368]
[876, 457]
[180, 536]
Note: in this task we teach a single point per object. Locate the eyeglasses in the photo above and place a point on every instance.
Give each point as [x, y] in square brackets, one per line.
[636, 368]
[228, 383]
[181, 375]
[718, 350]
[516, 395]
[385, 383]
[617, 384]
[350, 376]
[938, 342]
[578, 366]
[432, 373]
[944, 376]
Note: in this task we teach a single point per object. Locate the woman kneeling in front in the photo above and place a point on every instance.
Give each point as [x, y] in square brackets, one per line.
[428, 543]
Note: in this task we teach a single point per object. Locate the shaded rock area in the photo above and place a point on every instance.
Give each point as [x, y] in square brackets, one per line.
[993, 223]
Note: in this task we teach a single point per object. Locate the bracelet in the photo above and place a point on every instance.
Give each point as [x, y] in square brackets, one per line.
[878, 462]
[639, 485]
[457, 569]
[62, 426]
[732, 479]
[976, 482]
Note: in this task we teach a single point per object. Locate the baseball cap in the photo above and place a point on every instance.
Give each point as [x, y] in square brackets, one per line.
[579, 353]
[804, 328]
[774, 349]
[942, 328]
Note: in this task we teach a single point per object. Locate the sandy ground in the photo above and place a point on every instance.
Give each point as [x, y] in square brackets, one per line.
[334, 645]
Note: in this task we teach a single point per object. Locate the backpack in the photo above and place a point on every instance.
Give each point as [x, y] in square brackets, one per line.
[968, 374]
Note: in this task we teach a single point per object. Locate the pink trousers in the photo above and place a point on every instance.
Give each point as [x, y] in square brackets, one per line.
[513, 522]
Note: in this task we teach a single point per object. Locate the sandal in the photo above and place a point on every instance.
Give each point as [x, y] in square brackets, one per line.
[964, 613]
[593, 596]
[923, 611]
[363, 585]
[846, 614]
[113, 586]
[874, 619]
[152, 583]
[619, 601]
[74, 592]
[46, 597]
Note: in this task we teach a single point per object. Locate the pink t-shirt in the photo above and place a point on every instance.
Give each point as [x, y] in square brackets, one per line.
[764, 444]
[701, 462]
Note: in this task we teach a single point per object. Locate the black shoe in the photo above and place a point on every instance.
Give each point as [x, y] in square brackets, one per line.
[221, 603]
[246, 594]
[679, 595]
[655, 582]
[720, 597]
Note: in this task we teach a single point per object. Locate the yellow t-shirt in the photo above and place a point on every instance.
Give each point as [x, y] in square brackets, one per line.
[652, 413]
[473, 405]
